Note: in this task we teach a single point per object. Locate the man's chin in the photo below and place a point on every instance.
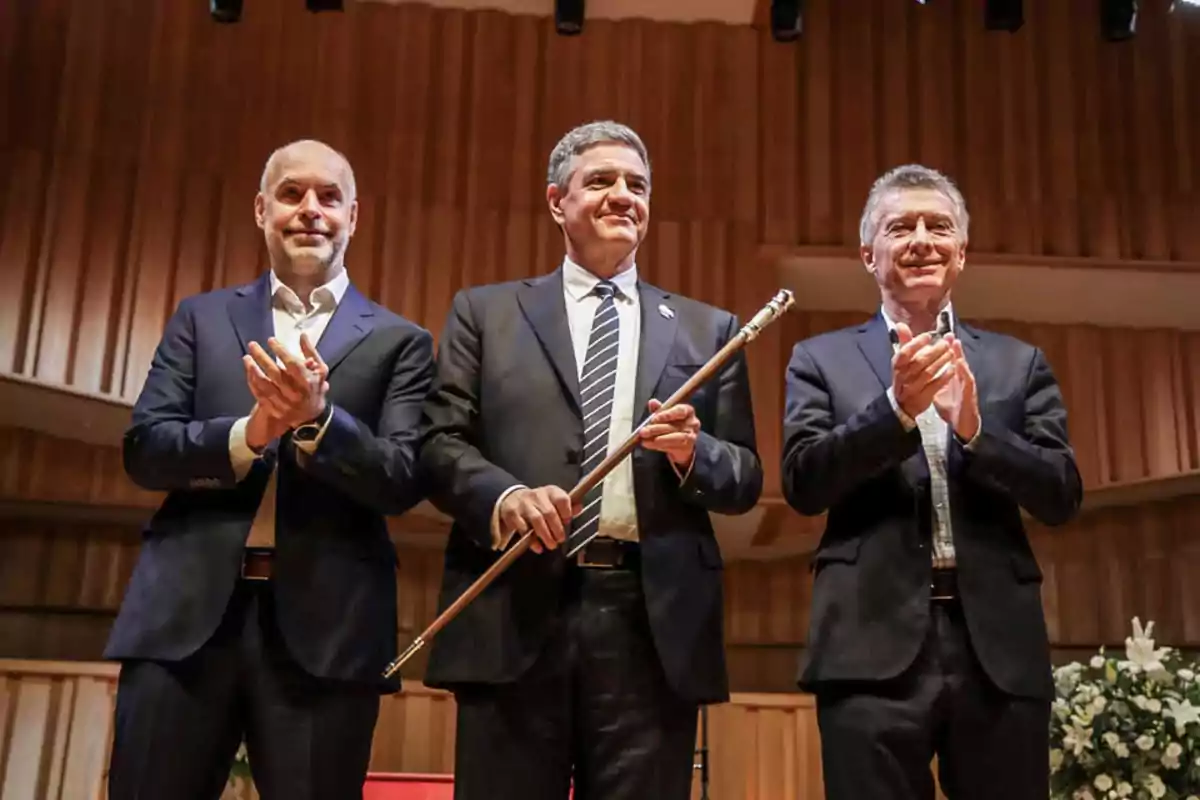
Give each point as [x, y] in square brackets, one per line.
[925, 284]
[309, 258]
[619, 239]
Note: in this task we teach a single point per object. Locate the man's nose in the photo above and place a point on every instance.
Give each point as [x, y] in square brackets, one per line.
[920, 235]
[620, 194]
[309, 204]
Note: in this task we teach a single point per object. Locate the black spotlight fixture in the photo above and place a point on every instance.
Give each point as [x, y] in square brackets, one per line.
[1118, 19]
[568, 17]
[225, 10]
[323, 5]
[1003, 15]
[787, 19]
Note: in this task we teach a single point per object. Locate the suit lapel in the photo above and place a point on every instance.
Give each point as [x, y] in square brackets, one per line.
[657, 339]
[970, 344]
[876, 347]
[351, 322]
[250, 312]
[541, 300]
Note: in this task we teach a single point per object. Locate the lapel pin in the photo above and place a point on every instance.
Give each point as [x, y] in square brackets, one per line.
[666, 311]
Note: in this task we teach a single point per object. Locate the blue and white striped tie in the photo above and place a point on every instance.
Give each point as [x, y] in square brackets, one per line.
[596, 386]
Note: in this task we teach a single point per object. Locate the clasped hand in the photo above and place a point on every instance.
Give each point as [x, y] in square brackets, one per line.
[672, 432]
[288, 390]
[927, 371]
[548, 510]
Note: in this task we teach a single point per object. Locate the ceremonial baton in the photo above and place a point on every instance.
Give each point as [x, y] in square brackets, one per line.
[781, 303]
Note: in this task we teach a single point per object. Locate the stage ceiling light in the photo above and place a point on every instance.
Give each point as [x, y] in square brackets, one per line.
[568, 17]
[1118, 19]
[787, 19]
[1003, 15]
[225, 10]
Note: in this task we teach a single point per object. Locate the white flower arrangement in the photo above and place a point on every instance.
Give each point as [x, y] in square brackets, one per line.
[1127, 728]
[238, 787]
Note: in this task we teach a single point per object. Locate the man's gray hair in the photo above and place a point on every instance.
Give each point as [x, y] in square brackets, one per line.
[586, 137]
[911, 176]
[263, 182]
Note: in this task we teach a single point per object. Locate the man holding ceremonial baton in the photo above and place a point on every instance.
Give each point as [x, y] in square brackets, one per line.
[587, 660]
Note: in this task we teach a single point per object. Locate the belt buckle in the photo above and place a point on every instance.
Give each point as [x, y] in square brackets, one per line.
[246, 554]
[944, 567]
[582, 558]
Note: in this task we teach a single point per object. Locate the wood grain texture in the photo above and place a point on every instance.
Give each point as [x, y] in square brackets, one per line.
[1132, 398]
[132, 143]
[61, 582]
[1099, 572]
[133, 138]
[56, 721]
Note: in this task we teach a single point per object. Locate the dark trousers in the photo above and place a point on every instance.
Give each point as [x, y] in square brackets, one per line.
[595, 707]
[877, 739]
[178, 725]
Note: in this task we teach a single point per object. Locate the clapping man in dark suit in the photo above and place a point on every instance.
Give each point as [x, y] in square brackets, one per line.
[585, 662]
[923, 438]
[281, 419]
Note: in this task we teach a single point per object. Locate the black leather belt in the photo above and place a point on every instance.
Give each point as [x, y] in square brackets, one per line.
[605, 553]
[943, 585]
[257, 563]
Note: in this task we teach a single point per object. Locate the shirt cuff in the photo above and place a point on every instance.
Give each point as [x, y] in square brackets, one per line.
[970, 446]
[310, 447]
[241, 457]
[908, 422]
[500, 540]
[683, 476]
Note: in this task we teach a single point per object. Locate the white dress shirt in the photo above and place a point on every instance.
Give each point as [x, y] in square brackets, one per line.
[618, 509]
[290, 318]
[935, 437]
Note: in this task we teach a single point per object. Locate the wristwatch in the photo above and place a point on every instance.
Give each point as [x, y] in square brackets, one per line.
[309, 431]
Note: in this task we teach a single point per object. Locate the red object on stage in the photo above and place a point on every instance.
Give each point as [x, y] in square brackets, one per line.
[408, 786]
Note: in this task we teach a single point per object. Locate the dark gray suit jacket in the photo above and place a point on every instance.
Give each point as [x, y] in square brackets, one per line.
[846, 451]
[505, 410]
[334, 581]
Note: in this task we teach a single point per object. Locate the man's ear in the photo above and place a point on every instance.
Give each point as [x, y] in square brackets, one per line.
[554, 199]
[260, 211]
[352, 223]
[867, 254]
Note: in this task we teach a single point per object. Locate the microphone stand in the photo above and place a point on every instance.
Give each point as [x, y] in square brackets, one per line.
[702, 752]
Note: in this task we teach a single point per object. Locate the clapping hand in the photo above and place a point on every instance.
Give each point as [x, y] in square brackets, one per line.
[287, 393]
[919, 369]
[958, 402]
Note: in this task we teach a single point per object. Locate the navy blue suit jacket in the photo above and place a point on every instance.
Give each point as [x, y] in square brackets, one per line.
[505, 409]
[846, 452]
[334, 576]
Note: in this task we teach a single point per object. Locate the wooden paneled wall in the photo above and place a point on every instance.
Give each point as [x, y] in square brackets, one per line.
[61, 583]
[1132, 396]
[132, 138]
[55, 734]
[1098, 573]
[1133, 400]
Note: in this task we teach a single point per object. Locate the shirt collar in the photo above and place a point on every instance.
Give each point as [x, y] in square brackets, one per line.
[325, 296]
[891, 323]
[579, 283]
